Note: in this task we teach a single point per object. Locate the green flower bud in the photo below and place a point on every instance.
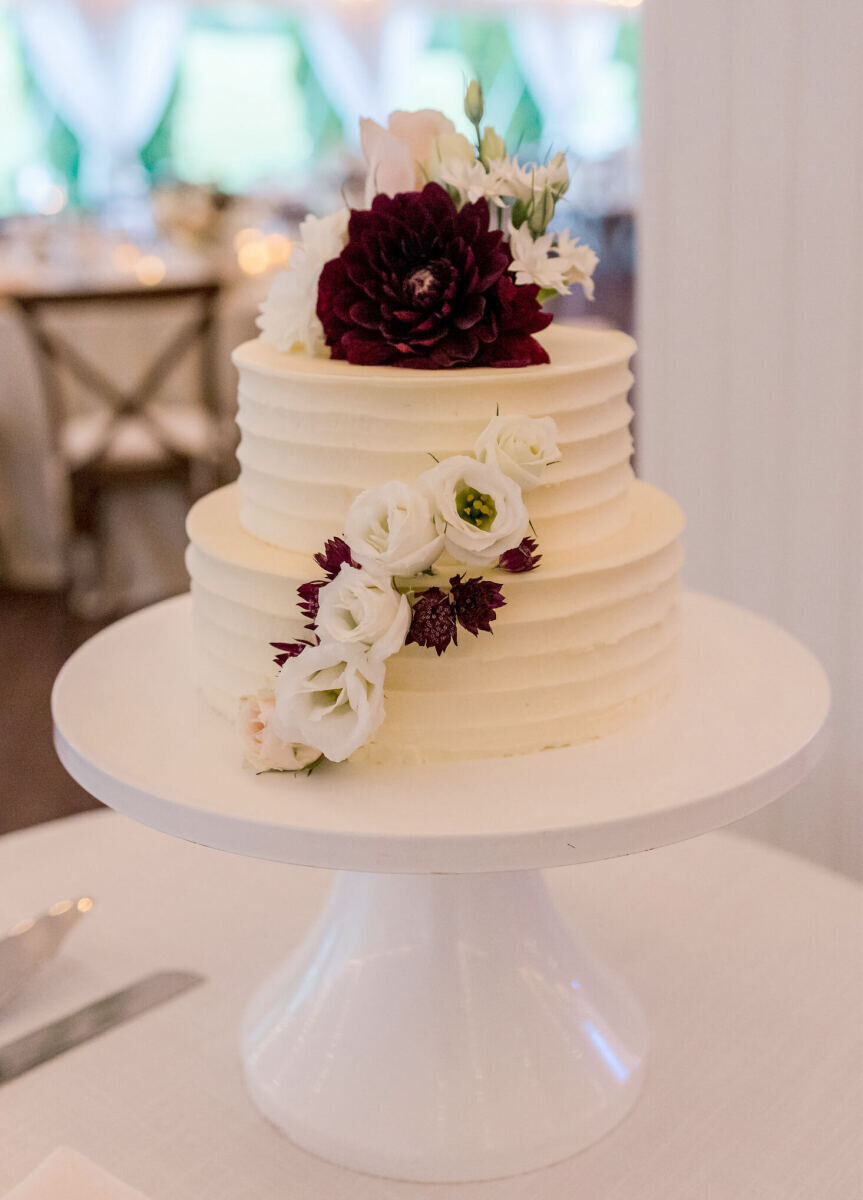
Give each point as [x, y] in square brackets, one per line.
[492, 146]
[519, 213]
[474, 106]
[541, 211]
[560, 174]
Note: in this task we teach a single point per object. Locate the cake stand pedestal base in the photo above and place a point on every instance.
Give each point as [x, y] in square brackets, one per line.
[443, 1028]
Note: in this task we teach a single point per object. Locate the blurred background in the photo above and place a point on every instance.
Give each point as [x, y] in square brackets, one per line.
[156, 157]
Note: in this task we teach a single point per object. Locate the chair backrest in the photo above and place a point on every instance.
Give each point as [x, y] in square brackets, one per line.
[55, 353]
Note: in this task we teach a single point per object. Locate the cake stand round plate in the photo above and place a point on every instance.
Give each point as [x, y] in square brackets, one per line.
[439, 1022]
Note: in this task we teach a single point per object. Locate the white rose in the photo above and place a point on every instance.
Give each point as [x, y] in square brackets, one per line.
[391, 530]
[288, 319]
[331, 696]
[478, 510]
[363, 610]
[522, 447]
[263, 749]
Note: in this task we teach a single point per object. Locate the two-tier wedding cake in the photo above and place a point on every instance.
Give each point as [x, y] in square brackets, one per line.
[436, 548]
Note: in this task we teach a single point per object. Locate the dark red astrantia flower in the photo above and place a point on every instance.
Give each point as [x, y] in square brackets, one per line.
[288, 650]
[309, 599]
[437, 614]
[474, 601]
[335, 554]
[424, 284]
[523, 557]
[433, 621]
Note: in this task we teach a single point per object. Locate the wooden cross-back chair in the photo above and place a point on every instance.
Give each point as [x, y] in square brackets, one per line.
[132, 437]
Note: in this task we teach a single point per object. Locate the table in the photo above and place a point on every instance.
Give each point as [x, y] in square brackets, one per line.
[753, 1092]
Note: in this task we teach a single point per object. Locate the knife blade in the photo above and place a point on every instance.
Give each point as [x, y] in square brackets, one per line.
[57, 1037]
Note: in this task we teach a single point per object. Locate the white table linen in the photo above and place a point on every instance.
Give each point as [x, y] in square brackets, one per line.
[68, 1175]
[746, 960]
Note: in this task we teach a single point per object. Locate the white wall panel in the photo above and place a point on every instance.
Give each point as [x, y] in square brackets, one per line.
[751, 333]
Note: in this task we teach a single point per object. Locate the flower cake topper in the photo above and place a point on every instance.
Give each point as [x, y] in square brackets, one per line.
[421, 283]
[380, 592]
[448, 263]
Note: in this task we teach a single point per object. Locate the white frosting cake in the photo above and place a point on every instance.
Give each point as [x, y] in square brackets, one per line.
[585, 643]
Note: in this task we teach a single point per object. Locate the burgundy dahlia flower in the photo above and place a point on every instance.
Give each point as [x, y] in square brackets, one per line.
[424, 284]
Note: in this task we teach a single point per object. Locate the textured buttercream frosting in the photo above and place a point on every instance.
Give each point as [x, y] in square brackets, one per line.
[316, 432]
[585, 643]
[580, 648]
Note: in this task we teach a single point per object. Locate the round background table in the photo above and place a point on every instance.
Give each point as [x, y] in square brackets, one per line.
[746, 960]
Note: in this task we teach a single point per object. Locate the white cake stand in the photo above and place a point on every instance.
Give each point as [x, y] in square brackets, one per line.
[439, 1023]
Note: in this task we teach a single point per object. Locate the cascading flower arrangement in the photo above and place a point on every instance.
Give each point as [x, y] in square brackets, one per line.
[447, 266]
[376, 596]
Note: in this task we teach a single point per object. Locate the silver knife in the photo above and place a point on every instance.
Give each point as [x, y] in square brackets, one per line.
[62, 1035]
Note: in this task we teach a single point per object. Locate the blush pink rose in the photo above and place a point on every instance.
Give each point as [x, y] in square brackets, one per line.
[263, 749]
[407, 154]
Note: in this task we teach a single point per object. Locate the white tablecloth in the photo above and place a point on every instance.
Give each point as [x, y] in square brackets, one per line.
[748, 963]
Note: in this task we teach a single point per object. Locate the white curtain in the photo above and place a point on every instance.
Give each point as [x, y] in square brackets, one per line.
[359, 57]
[751, 315]
[561, 54]
[108, 71]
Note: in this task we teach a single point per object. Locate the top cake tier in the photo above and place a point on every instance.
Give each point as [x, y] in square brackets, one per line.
[316, 432]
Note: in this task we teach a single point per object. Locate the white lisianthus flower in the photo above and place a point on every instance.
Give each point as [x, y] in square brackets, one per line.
[330, 697]
[553, 261]
[521, 447]
[473, 182]
[288, 319]
[363, 610]
[263, 749]
[391, 530]
[478, 510]
[407, 155]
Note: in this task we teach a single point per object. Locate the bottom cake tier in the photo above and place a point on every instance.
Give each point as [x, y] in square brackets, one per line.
[585, 644]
